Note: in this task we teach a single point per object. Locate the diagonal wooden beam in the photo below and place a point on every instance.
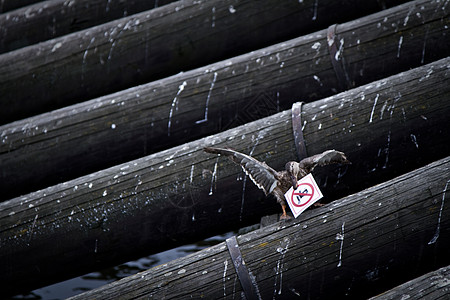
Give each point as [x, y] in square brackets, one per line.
[187, 34]
[354, 248]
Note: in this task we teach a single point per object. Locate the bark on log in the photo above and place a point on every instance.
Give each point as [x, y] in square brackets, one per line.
[183, 194]
[47, 149]
[433, 285]
[353, 248]
[50, 19]
[158, 43]
[7, 5]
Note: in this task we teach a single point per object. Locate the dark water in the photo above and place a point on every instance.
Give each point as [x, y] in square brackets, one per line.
[93, 280]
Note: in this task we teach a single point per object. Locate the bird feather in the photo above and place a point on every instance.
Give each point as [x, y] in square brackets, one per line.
[260, 173]
[326, 158]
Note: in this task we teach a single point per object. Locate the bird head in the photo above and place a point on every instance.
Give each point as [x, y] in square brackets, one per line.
[293, 170]
[345, 161]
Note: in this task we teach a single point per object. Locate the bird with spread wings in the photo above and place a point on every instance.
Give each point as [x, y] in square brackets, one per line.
[278, 183]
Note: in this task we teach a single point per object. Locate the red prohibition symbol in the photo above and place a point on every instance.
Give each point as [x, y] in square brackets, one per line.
[300, 194]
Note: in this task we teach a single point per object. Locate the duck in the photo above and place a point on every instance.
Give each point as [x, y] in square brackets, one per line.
[275, 182]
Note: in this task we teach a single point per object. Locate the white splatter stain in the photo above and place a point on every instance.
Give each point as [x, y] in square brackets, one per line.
[191, 177]
[400, 41]
[107, 5]
[438, 229]
[340, 51]
[87, 50]
[316, 46]
[56, 46]
[174, 103]
[382, 110]
[224, 276]
[340, 237]
[111, 50]
[316, 78]
[279, 269]
[316, 4]
[83, 63]
[429, 72]
[295, 292]
[373, 108]
[213, 18]
[213, 177]
[205, 119]
[32, 228]
[405, 21]
[414, 140]
[386, 150]
[424, 45]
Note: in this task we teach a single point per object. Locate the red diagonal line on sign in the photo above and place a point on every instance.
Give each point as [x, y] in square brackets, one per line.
[302, 194]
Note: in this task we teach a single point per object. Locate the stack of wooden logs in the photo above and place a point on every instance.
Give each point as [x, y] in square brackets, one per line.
[354, 247]
[101, 144]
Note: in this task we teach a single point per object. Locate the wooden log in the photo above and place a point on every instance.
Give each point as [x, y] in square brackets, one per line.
[182, 36]
[7, 5]
[50, 19]
[433, 285]
[182, 194]
[98, 134]
[353, 248]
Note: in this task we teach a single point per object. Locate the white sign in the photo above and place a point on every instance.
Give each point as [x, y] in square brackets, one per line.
[306, 194]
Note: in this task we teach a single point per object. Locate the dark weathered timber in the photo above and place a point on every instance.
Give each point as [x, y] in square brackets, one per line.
[182, 194]
[44, 21]
[98, 134]
[7, 5]
[353, 248]
[433, 285]
[183, 35]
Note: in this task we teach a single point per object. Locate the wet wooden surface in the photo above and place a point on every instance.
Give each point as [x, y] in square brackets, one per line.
[8, 5]
[354, 247]
[136, 50]
[44, 21]
[182, 194]
[433, 285]
[97, 134]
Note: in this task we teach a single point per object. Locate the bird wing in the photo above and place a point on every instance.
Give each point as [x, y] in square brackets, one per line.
[260, 173]
[326, 158]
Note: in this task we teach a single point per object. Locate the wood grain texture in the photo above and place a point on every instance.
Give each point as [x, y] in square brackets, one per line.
[77, 140]
[8, 5]
[182, 194]
[54, 18]
[178, 37]
[353, 248]
[433, 285]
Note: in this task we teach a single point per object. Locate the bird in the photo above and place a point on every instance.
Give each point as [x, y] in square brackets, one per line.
[278, 183]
